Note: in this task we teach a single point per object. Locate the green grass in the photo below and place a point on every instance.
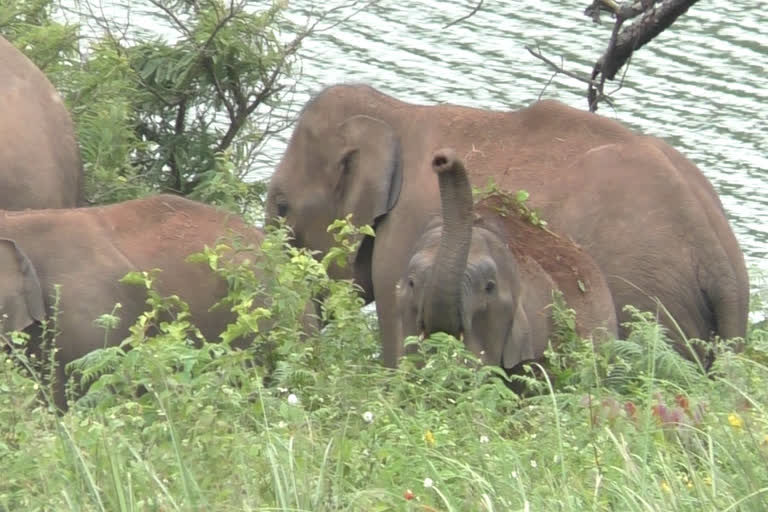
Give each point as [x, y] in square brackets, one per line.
[318, 424]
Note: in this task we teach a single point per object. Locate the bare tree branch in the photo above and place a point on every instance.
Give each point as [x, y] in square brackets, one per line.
[559, 68]
[477, 8]
[626, 10]
[632, 38]
[172, 16]
[655, 16]
[594, 93]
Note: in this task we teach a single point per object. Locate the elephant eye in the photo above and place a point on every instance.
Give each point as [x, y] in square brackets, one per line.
[490, 286]
[410, 282]
[282, 209]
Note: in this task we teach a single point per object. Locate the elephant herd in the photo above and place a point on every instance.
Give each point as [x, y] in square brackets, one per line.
[52, 240]
[639, 219]
[629, 221]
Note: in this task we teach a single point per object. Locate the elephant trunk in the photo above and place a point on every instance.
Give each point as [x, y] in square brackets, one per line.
[443, 301]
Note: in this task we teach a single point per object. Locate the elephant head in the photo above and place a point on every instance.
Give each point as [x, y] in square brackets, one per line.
[335, 165]
[21, 302]
[463, 279]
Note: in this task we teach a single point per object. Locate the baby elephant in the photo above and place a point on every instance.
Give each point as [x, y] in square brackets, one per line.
[88, 250]
[489, 275]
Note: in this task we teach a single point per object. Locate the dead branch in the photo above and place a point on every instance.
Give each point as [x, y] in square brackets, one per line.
[654, 17]
[653, 21]
[459, 20]
[559, 67]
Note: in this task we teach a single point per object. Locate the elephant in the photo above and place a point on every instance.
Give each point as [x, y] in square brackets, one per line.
[648, 217]
[40, 164]
[88, 250]
[488, 275]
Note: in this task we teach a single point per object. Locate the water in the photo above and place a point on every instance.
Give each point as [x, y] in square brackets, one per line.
[701, 85]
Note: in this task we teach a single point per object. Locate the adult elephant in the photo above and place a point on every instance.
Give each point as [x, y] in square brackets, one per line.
[646, 214]
[39, 157]
[88, 250]
[486, 273]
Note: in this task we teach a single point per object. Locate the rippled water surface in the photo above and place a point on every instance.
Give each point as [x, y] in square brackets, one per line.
[702, 85]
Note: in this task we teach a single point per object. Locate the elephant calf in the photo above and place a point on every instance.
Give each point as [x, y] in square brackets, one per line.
[489, 275]
[88, 250]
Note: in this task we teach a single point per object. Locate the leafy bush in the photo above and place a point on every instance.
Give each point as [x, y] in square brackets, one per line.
[186, 110]
[303, 419]
[296, 422]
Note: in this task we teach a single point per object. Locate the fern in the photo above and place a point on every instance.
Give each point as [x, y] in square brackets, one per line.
[95, 364]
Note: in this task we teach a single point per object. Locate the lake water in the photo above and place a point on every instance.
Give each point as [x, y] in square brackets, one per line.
[702, 85]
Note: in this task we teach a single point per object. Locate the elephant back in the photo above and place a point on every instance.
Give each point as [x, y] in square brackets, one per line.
[570, 267]
[40, 164]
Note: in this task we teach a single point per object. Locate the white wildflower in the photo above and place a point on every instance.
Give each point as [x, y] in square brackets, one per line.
[533, 463]
[428, 483]
[368, 417]
[293, 399]
[484, 439]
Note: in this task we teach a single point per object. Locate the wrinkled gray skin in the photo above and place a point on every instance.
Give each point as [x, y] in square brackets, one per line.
[646, 214]
[39, 157]
[88, 250]
[473, 275]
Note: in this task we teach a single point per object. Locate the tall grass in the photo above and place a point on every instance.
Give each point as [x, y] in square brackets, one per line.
[318, 424]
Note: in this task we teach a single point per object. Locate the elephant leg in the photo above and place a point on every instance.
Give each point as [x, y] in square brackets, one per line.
[391, 253]
[391, 347]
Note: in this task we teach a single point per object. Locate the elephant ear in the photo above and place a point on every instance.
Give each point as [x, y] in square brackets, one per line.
[371, 169]
[21, 302]
[518, 346]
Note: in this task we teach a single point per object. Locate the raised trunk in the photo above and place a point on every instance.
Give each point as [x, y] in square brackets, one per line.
[442, 302]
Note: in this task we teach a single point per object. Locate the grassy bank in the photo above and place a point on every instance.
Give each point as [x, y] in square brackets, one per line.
[318, 424]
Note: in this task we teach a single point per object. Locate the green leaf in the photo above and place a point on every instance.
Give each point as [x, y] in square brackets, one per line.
[135, 278]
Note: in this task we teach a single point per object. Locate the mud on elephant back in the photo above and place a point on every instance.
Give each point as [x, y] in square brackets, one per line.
[645, 214]
[39, 157]
[89, 250]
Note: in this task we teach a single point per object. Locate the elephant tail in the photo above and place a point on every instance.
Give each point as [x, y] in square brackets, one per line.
[728, 298]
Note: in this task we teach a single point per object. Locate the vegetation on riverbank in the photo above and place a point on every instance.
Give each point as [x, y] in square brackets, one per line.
[319, 424]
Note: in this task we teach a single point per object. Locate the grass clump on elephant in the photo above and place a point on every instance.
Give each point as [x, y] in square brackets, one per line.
[87, 251]
[489, 275]
[648, 217]
[39, 156]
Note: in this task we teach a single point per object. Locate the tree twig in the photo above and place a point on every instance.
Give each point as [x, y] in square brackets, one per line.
[595, 92]
[654, 17]
[649, 25]
[463, 18]
[559, 68]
